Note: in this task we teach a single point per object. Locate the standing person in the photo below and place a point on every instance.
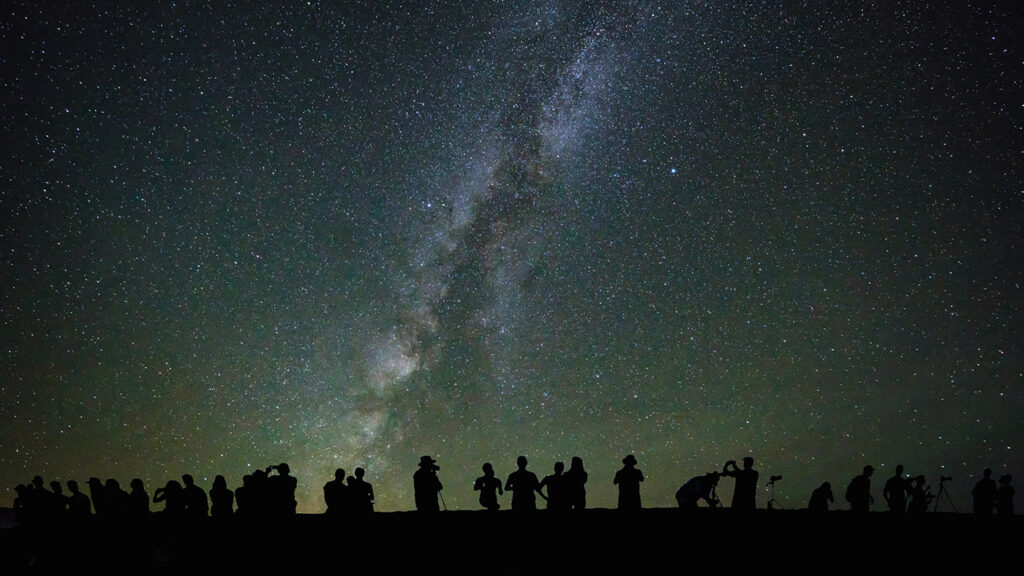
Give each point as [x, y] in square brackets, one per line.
[628, 479]
[139, 500]
[555, 484]
[426, 485]
[281, 490]
[172, 495]
[360, 492]
[744, 495]
[79, 505]
[575, 484]
[524, 487]
[985, 494]
[920, 495]
[895, 491]
[489, 488]
[196, 503]
[336, 494]
[858, 491]
[1004, 495]
[222, 499]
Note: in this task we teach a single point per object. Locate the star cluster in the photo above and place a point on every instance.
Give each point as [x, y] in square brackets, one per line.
[350, 234]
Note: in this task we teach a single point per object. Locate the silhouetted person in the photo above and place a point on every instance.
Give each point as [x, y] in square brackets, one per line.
[22, 505]
[38, 505]
[920, 496]
[246, 499]
[138, 501]
[281, 490]
[744, 496]
[58, 502]
[79, 506]
[360, 492]
[489, 487]
[259, 494]
[575, 484]
[196, 503]
[336, 494]
[96, 494]
[821, 497]
[985, 494]
[555, 483]
[426, 485]
[628, 479]
[1004, 495]
[524, 487]
[696, 489]
[117, 501]
[173, 497]
[858, 491]
[222, 499]
[895, 491]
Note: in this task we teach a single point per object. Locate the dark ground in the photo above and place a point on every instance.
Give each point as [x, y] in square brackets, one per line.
[595, 541]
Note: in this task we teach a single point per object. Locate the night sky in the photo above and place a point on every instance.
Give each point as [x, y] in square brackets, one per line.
[340, 234]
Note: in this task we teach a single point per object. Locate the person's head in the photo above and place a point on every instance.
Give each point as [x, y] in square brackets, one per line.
[428, 463]
[988, 472]
[283, 469]
[73, 486]
[629, 460]
[55, 487]
[576, 463]
[219, 482]
[869, 470]
[559, 467]
[360, 473]
[339, 474]
[748, 462]
[521, 462]
[187, 479]
[488, 469]
[137, 485]
[899, 469]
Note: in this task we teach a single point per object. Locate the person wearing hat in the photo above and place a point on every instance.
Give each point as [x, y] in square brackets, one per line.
[858, 491]
[426, 485]
[628, 479]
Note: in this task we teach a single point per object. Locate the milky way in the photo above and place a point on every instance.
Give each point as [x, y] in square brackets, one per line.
[342, 236]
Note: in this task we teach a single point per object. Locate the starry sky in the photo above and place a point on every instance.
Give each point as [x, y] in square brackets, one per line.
[340, 234]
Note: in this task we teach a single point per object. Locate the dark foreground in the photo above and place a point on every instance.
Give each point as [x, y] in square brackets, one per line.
[596, 541]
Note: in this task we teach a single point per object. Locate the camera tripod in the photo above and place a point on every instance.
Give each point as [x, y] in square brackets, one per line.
[943, 491]
[773, 504]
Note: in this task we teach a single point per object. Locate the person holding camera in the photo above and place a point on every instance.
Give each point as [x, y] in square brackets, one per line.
[744, 496]
[426, 485]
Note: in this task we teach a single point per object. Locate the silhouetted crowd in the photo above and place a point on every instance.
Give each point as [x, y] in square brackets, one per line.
[270, 493]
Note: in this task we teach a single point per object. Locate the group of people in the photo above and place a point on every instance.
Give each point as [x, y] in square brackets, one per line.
[911, 494]
[989, 498]
[266, 492]
[561, 490]
[354, 496]
[704, 487]
[271, 492]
